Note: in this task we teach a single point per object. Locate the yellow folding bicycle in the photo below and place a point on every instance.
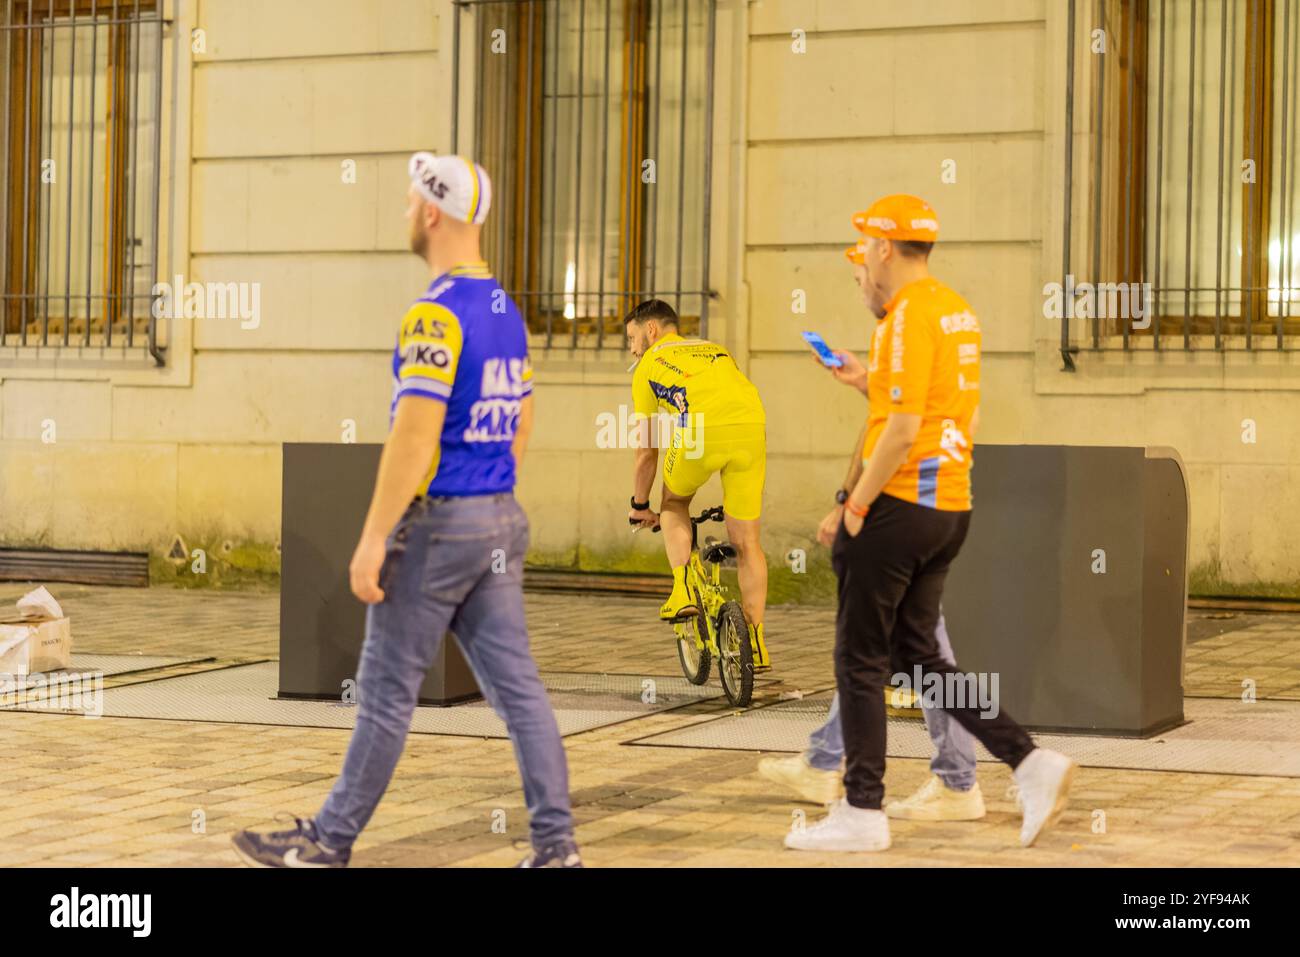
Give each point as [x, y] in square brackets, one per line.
[720, 631]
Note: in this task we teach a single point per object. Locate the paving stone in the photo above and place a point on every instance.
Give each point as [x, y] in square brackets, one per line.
[122, 792]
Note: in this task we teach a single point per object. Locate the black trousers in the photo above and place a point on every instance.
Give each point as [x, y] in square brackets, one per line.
[891, 577]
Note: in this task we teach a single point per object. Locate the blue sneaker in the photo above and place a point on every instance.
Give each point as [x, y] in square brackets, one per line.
[563, 853]
[296, 847]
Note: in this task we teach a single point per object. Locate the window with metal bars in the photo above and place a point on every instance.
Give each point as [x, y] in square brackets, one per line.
[1180, 173]
[80, 146]
[594, 119]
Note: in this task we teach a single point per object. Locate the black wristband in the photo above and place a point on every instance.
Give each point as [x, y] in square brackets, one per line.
[841, 497]
[640, 506]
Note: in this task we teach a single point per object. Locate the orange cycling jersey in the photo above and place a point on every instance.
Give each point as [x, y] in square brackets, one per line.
[925, 360]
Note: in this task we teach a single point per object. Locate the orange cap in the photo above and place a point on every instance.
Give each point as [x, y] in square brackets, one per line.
[857, 252]
[900, 216]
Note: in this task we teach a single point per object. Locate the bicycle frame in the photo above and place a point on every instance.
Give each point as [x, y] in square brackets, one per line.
[706, 585]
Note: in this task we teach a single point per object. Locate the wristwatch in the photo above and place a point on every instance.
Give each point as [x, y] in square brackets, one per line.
[640, 506]
[841, 497]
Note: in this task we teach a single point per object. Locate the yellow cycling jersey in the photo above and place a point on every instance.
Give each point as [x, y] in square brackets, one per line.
[697, 382]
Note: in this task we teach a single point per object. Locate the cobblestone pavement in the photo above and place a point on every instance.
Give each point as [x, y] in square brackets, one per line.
[124, 791]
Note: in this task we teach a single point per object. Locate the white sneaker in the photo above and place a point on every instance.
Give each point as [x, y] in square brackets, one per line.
[812, 784]
[845, 828]
[1043, 782]
[935, 801]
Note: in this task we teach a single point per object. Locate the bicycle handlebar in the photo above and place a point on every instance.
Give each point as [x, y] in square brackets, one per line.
[708, 515]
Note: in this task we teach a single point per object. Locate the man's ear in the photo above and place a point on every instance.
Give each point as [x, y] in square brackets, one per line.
[432, 214]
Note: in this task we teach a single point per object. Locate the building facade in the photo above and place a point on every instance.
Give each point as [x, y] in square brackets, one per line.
[282, 143]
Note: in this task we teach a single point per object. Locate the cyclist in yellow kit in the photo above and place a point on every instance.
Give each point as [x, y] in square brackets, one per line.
[718, 426]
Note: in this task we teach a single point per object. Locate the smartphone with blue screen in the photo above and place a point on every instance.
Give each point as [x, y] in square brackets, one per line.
[829, 359]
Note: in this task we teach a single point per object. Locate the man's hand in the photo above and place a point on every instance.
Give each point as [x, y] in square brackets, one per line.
[643, 517]
[830, 525]
[363, 572]
[853, 523]
[852, 372]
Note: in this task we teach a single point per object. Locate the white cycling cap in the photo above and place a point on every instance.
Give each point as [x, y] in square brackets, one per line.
[456, 185]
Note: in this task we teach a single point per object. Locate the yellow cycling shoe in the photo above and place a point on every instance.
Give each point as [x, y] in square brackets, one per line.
[761, 661]
[679, 604]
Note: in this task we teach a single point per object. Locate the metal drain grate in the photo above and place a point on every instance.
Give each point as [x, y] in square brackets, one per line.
[246, 695]
[109, 665]
[1221, 737]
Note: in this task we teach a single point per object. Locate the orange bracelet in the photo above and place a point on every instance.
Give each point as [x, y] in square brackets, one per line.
[848, 503]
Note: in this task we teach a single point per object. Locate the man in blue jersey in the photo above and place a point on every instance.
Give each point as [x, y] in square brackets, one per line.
[444, 540]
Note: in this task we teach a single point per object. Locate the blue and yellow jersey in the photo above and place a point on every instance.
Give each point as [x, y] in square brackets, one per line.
[464, 343]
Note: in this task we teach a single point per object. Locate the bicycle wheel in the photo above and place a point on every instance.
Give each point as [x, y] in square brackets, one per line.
[735, 656]
[695, 660]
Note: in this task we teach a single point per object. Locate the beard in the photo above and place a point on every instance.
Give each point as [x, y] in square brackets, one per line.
[419, 243]
[874, 303]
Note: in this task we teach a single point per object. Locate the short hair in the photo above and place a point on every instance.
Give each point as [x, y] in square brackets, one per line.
[651, 309]
[914, 249]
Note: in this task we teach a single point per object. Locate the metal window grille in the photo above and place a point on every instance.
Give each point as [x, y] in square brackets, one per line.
[594, 120]
[1180, 175]
[80, 150]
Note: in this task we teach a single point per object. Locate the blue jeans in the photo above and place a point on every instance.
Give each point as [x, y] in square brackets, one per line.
[453, 564]
[954, 759]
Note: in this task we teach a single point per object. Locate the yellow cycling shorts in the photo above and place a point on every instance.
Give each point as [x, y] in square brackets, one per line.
[738, 452]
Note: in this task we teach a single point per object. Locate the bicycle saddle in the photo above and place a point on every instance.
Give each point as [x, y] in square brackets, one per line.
[717, 552]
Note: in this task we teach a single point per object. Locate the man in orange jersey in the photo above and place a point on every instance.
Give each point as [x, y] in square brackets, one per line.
[817, 775]
[904, 522]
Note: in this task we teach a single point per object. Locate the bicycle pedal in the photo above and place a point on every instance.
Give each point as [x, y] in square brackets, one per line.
[686, 614]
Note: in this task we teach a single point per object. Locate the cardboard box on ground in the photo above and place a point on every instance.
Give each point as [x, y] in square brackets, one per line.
[37, 638]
